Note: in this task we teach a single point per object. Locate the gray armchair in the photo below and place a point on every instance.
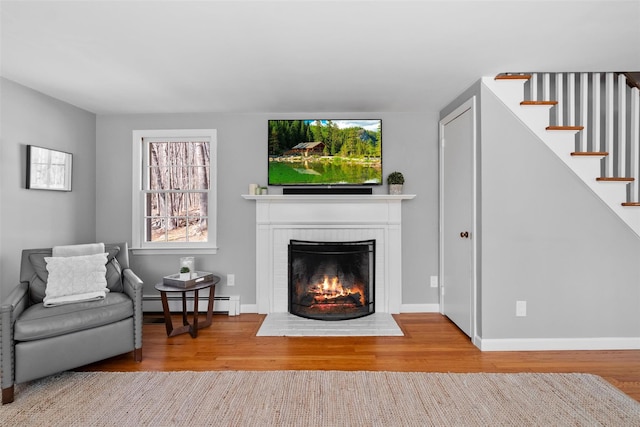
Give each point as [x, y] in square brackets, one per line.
[37, 341]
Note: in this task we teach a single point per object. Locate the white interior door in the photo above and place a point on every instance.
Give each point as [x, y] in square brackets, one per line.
[457, 212]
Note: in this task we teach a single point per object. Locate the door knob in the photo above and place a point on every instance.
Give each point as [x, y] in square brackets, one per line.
[464, 234]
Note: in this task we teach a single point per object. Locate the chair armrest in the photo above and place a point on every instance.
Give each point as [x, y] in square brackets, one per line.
[132, 283]
[133, 287]
[15, 303]
[17, 300]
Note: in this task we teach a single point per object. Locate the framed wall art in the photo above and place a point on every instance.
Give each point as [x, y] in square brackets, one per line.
[48, 169]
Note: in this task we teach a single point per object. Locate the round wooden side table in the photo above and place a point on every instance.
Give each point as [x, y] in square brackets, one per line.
[191, 328]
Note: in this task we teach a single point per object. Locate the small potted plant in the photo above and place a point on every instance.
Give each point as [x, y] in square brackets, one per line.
[395, 181]
[185, 273]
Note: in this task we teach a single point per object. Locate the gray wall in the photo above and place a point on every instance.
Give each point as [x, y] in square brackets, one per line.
[37, 218]
[409, 145]
[547, 239]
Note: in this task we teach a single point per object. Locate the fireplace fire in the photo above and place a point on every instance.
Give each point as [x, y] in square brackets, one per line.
[331, 280]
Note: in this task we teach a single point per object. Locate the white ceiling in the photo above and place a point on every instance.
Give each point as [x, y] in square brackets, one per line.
[301, 55]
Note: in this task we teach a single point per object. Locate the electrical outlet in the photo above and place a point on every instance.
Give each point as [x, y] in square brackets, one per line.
[521, 308]
[231, 279]
[434, 281]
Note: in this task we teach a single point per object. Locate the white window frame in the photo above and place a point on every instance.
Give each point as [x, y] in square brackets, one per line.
[140, 160]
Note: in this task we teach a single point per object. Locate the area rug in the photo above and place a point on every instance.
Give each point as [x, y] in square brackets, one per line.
[318, 398]
[289, 325]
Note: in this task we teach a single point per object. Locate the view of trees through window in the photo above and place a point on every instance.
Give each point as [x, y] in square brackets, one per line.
[177, 184]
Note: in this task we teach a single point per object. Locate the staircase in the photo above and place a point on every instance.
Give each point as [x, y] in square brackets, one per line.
[591, 121]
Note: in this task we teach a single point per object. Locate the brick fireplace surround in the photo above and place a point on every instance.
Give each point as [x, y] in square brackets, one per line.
[280, 218]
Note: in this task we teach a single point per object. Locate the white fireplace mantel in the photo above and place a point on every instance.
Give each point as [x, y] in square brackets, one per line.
[281, 218]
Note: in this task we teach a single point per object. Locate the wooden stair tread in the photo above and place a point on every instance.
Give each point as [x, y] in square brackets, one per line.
[615, 179]
[590, 153]
[565, 127]
[513, 77]
[631, 204]
[539, 103]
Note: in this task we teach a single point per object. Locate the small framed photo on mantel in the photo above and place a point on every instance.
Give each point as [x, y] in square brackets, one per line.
[48, 169]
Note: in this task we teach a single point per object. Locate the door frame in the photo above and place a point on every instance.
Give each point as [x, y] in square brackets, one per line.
[470, 104]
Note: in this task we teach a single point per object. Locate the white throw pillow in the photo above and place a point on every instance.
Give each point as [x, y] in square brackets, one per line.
[75, 278]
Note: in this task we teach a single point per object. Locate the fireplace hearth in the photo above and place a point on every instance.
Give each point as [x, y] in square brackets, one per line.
[331, 280]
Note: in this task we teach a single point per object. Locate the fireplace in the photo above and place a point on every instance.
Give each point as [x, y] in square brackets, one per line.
[330, 218]
[331, 280]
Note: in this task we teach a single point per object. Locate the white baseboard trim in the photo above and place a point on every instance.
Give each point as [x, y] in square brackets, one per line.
[551, 344]
[249, 308]
[228, 304]
[419, 308]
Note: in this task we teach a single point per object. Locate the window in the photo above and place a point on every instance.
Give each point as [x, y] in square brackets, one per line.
[174, 198]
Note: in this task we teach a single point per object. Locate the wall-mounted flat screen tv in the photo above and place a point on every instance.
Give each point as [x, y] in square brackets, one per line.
[325, 152]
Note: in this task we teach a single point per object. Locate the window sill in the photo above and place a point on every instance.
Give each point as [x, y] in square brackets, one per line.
[174, 251]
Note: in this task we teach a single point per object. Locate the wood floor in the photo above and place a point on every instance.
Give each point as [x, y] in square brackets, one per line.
[431, 344]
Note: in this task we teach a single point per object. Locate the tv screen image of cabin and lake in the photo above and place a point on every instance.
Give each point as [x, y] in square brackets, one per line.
[325, 152]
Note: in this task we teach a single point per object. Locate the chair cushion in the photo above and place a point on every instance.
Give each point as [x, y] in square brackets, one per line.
[38, 322]
[38, 283]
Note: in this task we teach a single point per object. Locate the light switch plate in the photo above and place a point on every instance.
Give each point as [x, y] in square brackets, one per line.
[434, 281]
[521, 308]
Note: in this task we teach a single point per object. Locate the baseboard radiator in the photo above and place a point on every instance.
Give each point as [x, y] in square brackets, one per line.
[222, 304]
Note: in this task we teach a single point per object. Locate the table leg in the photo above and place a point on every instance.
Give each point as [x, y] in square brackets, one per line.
[207, 322]
[194, 326]
[185, 321]
[167, 314]
[186, 327]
